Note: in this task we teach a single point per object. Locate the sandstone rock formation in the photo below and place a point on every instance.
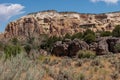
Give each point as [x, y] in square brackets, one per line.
[60, 23]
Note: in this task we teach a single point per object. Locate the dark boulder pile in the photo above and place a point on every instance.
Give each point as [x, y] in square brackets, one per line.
[101, 46]
[68, 47]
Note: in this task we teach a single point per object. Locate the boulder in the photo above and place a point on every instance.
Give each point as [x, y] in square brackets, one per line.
[102, 46]
[68, 47]
[111, 44]
[77, 45]
[93, 46]
[107, 44]
[60, 49]
[67, 41]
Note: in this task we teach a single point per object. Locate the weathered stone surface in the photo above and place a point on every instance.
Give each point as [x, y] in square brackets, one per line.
[111, 43]
[60, 49]
[77, 45]
[93, 46]
[60, 23]
[107, 44]
[102, 46]
[69, 48]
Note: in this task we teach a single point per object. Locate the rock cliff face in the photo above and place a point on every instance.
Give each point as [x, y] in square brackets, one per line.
[60, 23]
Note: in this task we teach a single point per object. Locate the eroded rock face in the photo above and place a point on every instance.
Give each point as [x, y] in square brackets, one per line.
[77, 45]
[23, 27]
[60, 23]
[112, 42]
[102, 46]
[93, 46]
[60, 49]
[69, 48]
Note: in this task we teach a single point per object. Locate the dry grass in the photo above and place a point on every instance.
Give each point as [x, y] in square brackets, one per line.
[64, 68]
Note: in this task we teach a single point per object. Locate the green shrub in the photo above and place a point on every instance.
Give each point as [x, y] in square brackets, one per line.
[77, 35]
[85, 54]
[117, 47]
[116, 31]
[88, 31]
[89, 38]
[105, 33]
[68, 36]
[81, 76]
[30, 40]
[48, 43]
[27, 48]
[11, 50]
[15, 41]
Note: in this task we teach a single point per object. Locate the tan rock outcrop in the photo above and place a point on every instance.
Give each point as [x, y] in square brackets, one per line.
[60, 23]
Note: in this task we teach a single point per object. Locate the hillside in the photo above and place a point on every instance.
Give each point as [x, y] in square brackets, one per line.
[59, 23]
[56, 68]
[51, 45]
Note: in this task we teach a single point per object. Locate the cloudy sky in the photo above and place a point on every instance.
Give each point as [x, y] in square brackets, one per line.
[13, 9]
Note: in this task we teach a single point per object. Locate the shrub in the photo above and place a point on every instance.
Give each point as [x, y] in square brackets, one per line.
[78, 64]
[30, 40]
[27, 48]
[11, 50]
[116, 31]
[96, 62]
[85, 54]
[117, 47]
[48, 43]
[1, 46]
[68, 36]
[81, 76]
[106, 33]
[15, 41]
[88, 31]
[89, 38]
[77, 35]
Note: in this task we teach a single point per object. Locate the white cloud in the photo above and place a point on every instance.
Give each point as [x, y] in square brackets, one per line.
[9, 10]
[107, 1]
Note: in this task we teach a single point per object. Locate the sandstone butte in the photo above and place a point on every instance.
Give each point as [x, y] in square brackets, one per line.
[56, 23]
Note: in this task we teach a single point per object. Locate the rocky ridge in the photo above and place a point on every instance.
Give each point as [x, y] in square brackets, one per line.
[101, 46]
[59, 23]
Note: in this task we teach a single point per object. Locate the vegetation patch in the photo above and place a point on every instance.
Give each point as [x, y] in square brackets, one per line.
[85, 54]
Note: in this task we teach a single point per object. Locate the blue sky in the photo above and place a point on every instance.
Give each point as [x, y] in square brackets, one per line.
[13, 9]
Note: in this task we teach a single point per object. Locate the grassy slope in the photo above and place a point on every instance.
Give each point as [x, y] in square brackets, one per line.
[56, 68]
